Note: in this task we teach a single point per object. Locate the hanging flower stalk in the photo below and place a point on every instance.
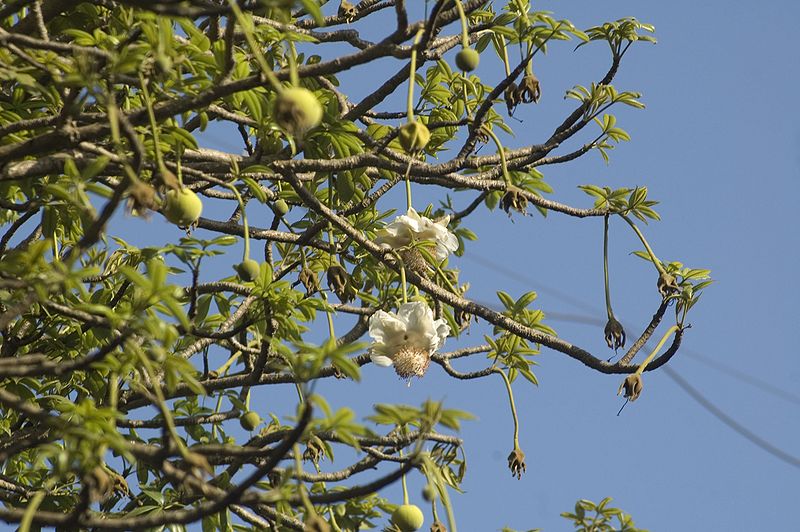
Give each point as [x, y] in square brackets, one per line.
[407, 517]
[467, 59]
[667, 285]
[406, 340]
[614, 332]
[249, 269]
[516, 460]
[510, 94]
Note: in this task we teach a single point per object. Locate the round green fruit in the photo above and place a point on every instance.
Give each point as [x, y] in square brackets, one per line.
[182, 207]
[248, 270]
[467, 59]
[250, 420]
[297, 110]
[414, 136]
[408, 518]
[281, 207]
[429, 493]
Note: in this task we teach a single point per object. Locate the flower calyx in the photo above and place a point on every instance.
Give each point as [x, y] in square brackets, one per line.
[437, 526]
[632, 386]
[667, 285]
[309, 280]
[513, 200]
[614, 333]
[339, 282]
[516, 462]
[511, 96]
[529, 89]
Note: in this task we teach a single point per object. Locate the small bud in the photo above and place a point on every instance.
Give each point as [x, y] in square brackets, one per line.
[339, 282]
[529, 89]
[467, 59]
[615, 334]
[516, 463]
[347, 11]
[414, 136]
[309, 280]
[632, 385]
[511, 97]
[513, 200]
[667, 285]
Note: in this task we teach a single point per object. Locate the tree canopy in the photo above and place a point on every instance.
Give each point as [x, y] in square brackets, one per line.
[127, 367]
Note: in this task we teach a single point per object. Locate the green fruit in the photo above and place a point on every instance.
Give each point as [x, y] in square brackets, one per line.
[297, 110]
[250, 420]
[182, 207]
[248, 270]
[429, 493]
[281, 207]
[408, 517]
[414, 136]
[467, 59]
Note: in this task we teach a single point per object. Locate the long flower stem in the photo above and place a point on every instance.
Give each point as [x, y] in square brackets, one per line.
[502, 43]
[246, 228]
[464, 25]
[251, 41]
[605, 267]
[501, 152]
[511, 402]
[658, 347]
[148, 103]
[653, 258]
[295, 79]
[412, 76]
[408, 183]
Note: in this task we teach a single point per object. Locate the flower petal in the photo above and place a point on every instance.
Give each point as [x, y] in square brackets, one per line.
[381, 360]
[386, 328]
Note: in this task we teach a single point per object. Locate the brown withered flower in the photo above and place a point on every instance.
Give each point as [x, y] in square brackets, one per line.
[667, 285]
[339, 282]
[438, 527]
[347, 11]
[315, 450]
[141, 198]
[615, 334]
[632, 385]
[516, 462]
[513, 200]
[511, 97]
[309, 280]
[529, 89]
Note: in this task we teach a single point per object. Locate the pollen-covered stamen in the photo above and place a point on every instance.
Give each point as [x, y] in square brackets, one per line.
[411, 361]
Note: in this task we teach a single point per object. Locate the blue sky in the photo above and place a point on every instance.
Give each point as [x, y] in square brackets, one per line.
[719, 146]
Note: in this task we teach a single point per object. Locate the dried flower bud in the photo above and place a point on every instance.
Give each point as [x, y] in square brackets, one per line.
[347, 11]
[339, 282]
[463, 319]
[529, 89]
[667, 285]
[615, 334]
[309, 280]
[632, 385]
[314, 450]
[438, 527]
[141, 198]
[511, 97]
[513, 200]
[482, 136]
[516, 462]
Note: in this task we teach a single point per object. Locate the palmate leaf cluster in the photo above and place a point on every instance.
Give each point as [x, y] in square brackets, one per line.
[129, 360]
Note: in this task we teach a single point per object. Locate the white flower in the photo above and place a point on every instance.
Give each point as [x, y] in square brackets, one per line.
[411, 227]
[407, 339]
